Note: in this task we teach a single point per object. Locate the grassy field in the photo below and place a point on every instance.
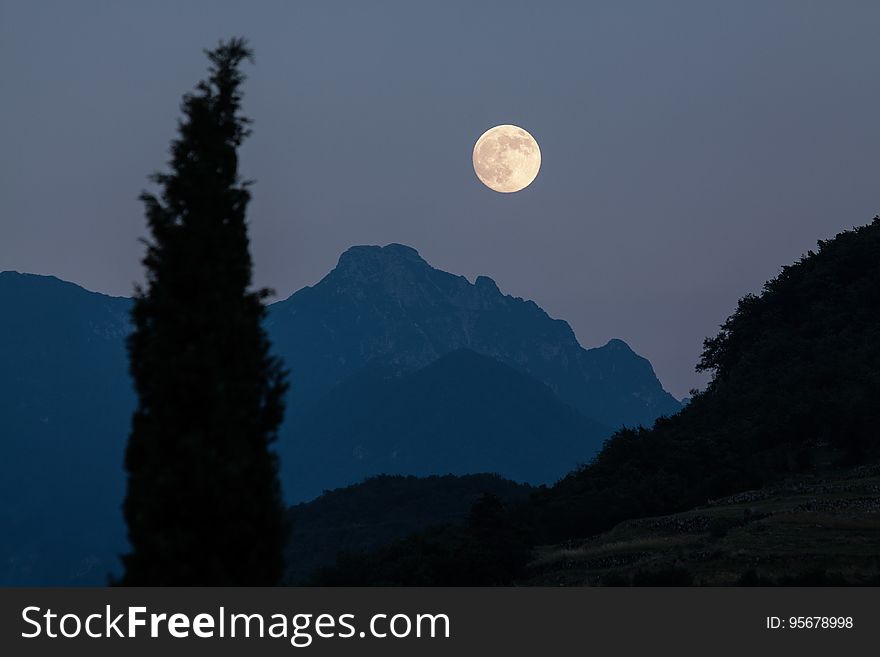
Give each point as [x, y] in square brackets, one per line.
[812, 530]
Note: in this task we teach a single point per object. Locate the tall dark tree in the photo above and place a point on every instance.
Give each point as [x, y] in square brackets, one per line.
[203, 504]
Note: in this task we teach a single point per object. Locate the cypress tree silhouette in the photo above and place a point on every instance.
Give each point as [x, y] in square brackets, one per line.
[203, 505]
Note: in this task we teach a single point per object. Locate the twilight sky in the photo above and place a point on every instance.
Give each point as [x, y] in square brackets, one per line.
[689, 148]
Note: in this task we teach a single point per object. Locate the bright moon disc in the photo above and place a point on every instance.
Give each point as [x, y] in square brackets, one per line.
[506, 158]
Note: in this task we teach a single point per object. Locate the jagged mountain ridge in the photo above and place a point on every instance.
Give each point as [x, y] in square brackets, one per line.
[386, 305]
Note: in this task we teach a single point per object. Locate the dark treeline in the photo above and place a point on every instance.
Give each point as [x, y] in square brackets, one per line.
[485, 550]
[374, 513]
[796, 376]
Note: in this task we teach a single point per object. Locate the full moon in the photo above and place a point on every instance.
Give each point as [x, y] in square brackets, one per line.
[506, 158]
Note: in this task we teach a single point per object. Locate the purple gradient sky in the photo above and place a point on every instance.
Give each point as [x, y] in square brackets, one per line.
[689, 148]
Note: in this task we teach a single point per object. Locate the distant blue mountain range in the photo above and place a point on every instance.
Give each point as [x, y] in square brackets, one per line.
[396, 367]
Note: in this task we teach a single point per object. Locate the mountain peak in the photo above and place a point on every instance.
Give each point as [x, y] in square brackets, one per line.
[616, 344]
[385, 306]
[487, 284]
[373, 255]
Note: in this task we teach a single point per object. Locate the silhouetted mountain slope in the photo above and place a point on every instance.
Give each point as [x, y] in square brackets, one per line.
[368, 515]
[795, 387]
[65, 405]
[462, 413]
[386, 306]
